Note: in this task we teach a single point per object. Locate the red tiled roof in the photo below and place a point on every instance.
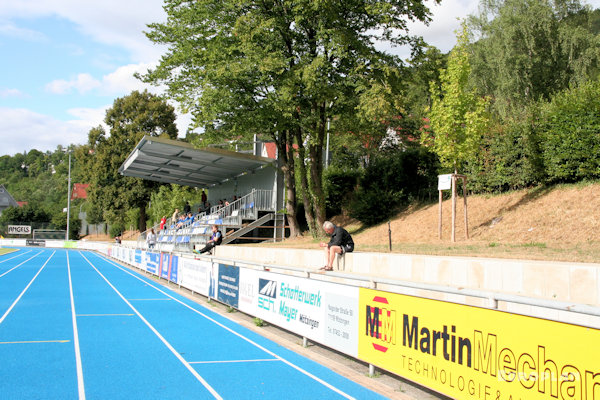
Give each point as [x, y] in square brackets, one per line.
[79, 191]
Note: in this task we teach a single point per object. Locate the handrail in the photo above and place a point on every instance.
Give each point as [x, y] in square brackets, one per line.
[493, 297]
[257, 199]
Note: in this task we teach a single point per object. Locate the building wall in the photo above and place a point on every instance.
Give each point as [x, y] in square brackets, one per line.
[264, 178]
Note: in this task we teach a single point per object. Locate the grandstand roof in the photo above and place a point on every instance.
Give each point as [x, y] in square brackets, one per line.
[172, 161]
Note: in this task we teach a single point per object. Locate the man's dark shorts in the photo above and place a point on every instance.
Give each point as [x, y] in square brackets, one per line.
[347, 248]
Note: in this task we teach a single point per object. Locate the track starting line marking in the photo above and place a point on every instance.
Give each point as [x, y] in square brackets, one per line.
[232, 361]
[36, 341]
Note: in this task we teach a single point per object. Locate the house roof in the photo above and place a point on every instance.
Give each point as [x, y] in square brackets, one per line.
[79, 191]
[6, 200]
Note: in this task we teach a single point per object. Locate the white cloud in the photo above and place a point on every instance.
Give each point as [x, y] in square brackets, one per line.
[112, 22]
[30, 130]
[9, 29]
[123, 81]
[11, 93]
[117, 83]
[82, 83]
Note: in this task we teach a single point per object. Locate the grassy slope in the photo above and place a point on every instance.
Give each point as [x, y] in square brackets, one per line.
[559, 223]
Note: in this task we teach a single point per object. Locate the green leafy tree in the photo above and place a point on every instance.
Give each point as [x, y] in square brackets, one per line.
[129, 119]
[569, 127]
[279, 68]
[529, 50]
[458, 116]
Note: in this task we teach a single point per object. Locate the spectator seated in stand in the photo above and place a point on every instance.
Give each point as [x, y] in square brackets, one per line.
[215, 239]
[181, 221]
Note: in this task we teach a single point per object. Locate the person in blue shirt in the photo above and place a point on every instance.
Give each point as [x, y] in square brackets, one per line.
[215, 239]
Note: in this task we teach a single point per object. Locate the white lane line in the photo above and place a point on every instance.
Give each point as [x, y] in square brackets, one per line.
[19, 254]
[80, 383]
[36, 341]
[234, 361]
[105, 315]
[149, 299]
[299, 369]
[166, 343]
[16, 266]
[24, 290]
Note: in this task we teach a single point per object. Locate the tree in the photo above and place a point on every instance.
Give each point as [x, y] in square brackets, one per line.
[529, 50]
[280, 68]
[458, 116]
[130, 118]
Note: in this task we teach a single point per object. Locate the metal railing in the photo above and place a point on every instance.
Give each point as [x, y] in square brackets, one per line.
[247, 206]
[372, 282]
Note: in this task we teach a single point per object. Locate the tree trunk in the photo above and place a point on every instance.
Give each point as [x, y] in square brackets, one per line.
[316, 170]
[286, 155]
[308, 205]
[142, 221]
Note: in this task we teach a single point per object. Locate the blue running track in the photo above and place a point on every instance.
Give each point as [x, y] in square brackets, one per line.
[76, 325]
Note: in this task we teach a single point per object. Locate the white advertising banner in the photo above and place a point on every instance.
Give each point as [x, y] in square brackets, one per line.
[195, 275]
[19, 230]
[321, 311]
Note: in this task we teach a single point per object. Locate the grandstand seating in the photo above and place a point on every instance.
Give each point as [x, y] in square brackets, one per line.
[197, 231]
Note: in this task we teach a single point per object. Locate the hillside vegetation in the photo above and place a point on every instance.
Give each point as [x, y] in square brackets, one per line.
[559, 223]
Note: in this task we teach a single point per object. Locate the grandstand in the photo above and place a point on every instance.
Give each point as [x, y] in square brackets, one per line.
[224, 173]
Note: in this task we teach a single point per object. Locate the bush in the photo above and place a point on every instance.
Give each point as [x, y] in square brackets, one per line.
[339, 185]
[116, 229]
[509, 158]
[570, 130]
[393, 180]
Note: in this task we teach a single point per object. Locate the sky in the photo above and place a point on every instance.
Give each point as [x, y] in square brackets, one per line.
[64, 62]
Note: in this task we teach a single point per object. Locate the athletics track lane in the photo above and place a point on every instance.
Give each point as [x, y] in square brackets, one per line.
[140, 340]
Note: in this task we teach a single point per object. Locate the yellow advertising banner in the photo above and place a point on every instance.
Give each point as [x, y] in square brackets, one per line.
[474, 353]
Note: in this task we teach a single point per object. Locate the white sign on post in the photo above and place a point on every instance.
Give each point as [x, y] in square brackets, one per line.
[445, 182]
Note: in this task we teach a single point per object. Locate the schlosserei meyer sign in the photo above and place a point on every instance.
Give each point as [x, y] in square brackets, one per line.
[473, 353]
[19, 230]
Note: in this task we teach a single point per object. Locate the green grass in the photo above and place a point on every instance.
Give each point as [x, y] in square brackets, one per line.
[6, 251]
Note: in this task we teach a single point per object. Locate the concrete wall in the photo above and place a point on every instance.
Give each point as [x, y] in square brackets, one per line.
[569, 282]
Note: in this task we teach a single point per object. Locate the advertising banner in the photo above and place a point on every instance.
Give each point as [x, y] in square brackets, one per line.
[165, 259]
[19, 230]
[35, 242]
[195, 275]
[321, 311]
[228, 284]
[152, 261]
[138, 258]
[468, 352]
[173, 268]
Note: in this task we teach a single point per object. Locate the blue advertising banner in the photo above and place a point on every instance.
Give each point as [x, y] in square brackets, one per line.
[152, 262]
[165, 259]
[173, 268]
[138, 257]
[229, 282]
